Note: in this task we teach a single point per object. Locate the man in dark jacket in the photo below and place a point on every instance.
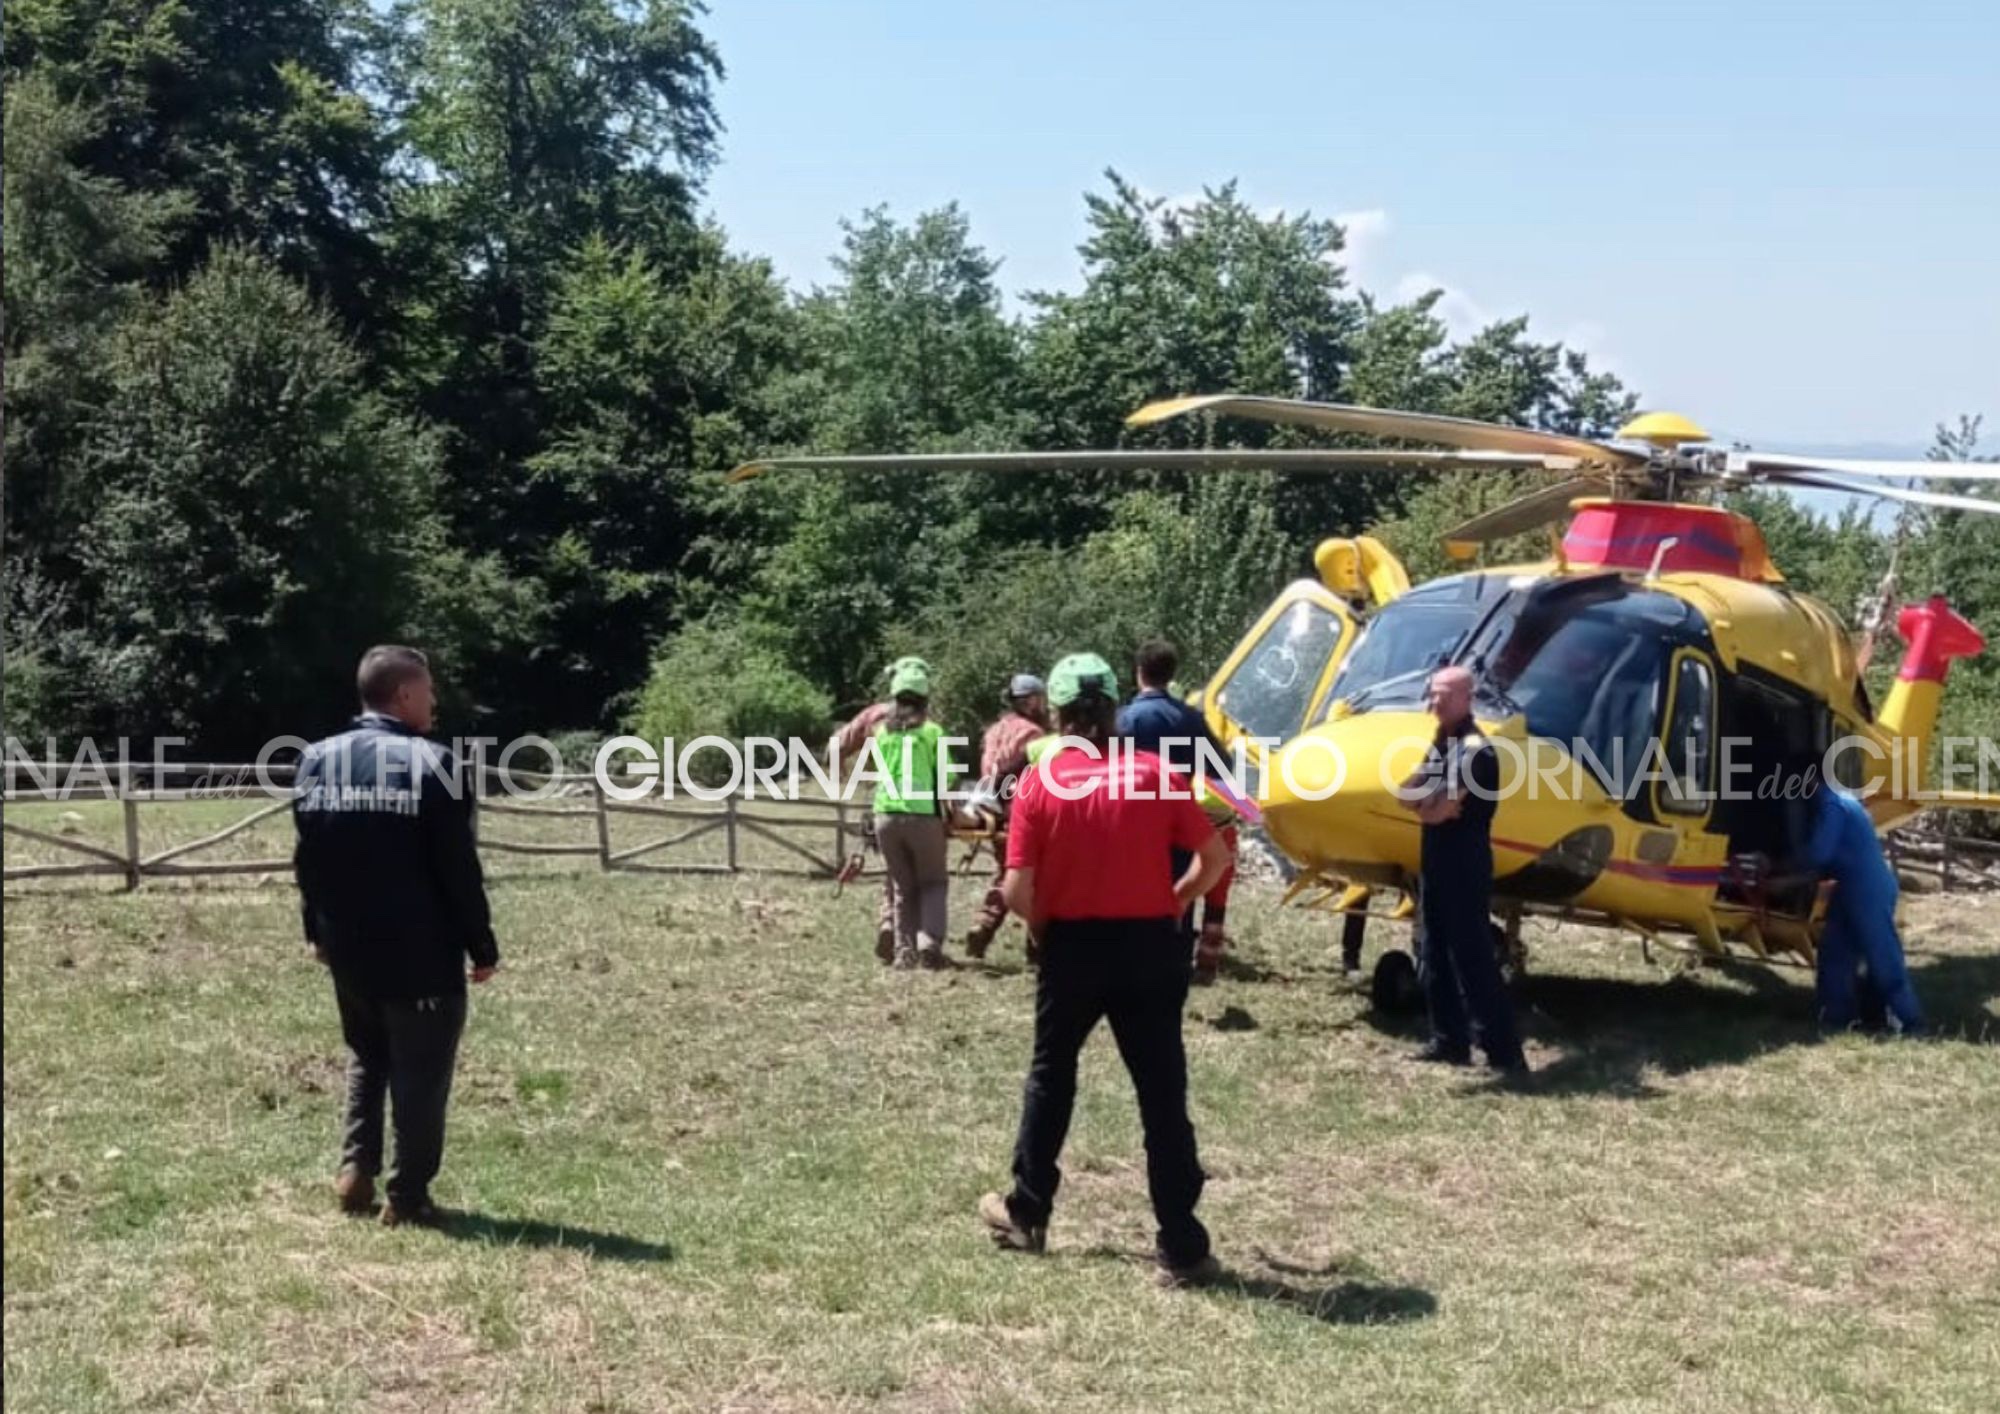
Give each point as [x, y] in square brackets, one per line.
[1453, 796]
[395, 906]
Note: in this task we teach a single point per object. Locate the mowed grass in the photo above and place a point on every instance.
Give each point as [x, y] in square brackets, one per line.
[710, 1156]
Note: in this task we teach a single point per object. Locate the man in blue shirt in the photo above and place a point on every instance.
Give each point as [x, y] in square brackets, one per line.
[1156, 717]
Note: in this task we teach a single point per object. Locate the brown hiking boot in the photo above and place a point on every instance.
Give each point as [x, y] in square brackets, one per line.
[977, 941]
[354, 1190]
[1208, 954]
[420, 1212]
[1205, 1272]
[1007, 1233]
[885, 947]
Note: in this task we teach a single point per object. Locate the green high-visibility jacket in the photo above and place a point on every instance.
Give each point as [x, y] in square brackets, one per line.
[923, 749]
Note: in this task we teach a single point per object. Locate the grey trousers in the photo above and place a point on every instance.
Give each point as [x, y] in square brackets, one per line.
[914, 851]
[405, 1050]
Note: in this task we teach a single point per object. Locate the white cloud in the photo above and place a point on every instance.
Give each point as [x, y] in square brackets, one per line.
[1367, 233]
[1462, 314]
[1465, 315]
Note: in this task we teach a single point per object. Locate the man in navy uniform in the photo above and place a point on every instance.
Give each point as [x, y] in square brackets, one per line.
[1156, 716]
[394, 905]
[1453, 796]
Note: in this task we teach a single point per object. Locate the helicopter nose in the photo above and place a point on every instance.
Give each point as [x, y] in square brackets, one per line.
[1330, 793]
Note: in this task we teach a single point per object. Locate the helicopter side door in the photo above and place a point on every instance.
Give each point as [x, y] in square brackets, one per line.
[1266, 689]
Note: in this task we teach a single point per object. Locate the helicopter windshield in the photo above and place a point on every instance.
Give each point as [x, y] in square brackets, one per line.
[1269, 694]
[1409, 637]
[1581, 660]
[1588, 675]
[1597, 683]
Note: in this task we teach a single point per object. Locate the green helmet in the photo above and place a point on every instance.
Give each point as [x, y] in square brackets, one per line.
[910, 675]
[1078, 674]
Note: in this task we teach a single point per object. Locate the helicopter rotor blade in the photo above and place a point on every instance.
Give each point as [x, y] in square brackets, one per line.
[1385, 422]
[1227, 459]
[1761, 462]
[1521, 514]
[1911, 495]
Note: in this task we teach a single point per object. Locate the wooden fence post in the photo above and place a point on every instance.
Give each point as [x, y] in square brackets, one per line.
[729, 828]
[130, 807]
[603, 824]
[476, 778]
[839, 834]
[1944, 856]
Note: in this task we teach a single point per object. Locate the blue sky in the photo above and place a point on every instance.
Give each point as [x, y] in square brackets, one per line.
[1781, 219]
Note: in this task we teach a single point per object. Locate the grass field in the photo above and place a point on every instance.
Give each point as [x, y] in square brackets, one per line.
[708, 1156]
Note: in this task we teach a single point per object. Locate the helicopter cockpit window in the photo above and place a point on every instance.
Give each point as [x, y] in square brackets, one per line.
[1403, 642]
[1267, 696]
[1595, 683]
[1690, 743]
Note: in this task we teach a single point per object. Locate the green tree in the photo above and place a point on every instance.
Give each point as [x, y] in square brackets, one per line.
[532, 127]
[1159, 568]
[908, 350]
[78, 246]
[910, 343]
[259, 516]
[254, 114]
[1957, 554]
[1501, 375]
[709, 679]
[641, 379]
[1206, 297]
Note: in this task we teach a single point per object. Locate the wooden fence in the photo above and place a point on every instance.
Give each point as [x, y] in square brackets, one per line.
[810, 837]
[1935, 851]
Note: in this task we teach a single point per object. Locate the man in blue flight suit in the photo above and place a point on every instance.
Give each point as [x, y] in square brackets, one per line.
[1453, 796]
[394, 905]
[1860, 929]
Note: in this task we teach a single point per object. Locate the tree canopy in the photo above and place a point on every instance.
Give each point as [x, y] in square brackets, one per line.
[331, 320]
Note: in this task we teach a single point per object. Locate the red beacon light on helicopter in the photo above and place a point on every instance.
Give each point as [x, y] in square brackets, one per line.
[1653, 537]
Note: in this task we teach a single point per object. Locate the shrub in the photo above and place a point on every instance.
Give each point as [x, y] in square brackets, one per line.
[711, 680]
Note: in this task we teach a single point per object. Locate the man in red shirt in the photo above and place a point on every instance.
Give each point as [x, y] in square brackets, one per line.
[1087, 851]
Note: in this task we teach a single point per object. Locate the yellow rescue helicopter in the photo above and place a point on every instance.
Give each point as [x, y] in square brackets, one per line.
[1612, 675]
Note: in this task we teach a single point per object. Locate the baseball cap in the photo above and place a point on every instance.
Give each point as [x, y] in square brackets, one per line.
[1025, 685]
[1078, 674]
[910, 675]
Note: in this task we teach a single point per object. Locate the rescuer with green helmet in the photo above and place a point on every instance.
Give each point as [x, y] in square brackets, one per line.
[1087, 849]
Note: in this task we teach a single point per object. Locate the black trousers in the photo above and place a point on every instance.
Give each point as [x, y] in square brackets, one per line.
[405, 1049]
[1134, 973]
[1459, 967]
